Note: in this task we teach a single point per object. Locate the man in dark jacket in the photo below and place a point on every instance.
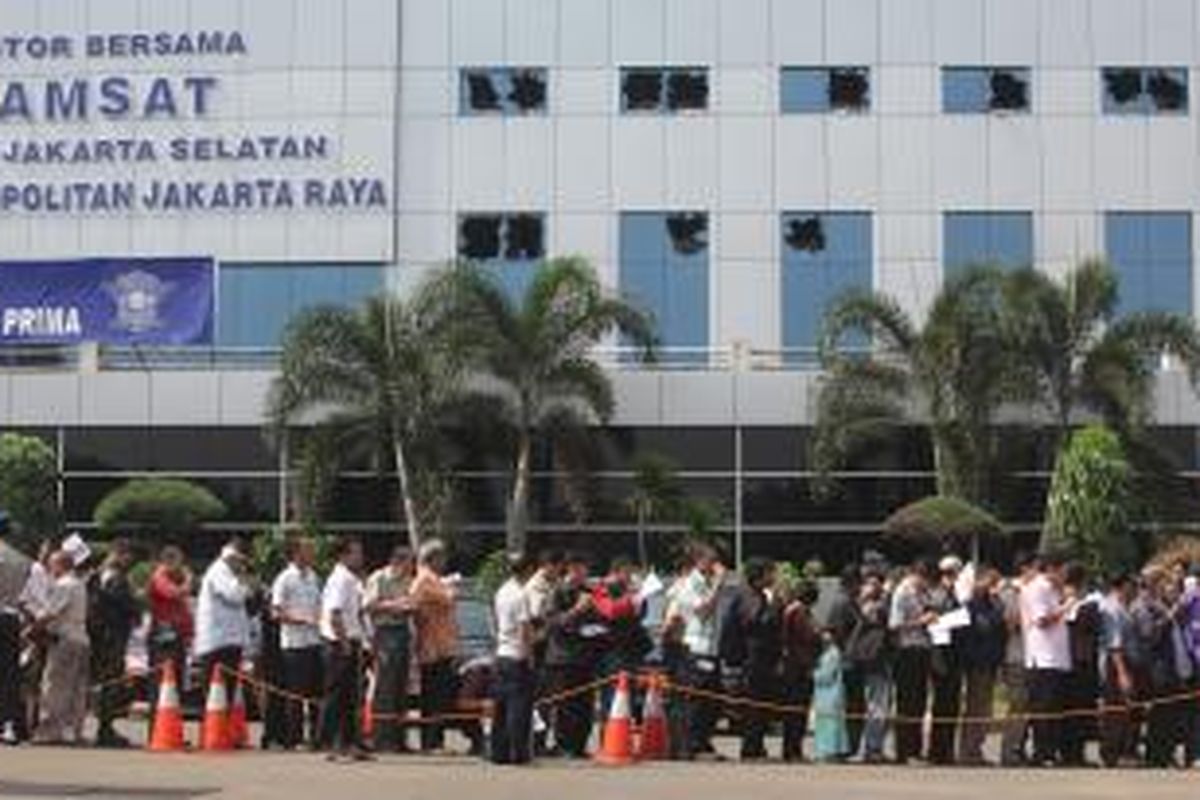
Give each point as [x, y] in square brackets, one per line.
[800, 645]
[113, 613]
[573, 629]
[980, 652]
[1081, 688]
[761, 632]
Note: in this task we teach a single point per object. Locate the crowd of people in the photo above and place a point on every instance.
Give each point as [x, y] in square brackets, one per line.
[898, 664]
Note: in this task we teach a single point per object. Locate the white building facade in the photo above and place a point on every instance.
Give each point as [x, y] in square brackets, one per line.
[732, 165]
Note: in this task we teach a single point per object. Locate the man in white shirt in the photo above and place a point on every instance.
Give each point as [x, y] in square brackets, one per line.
[343, 632]
[1047, 645]
[296, 605]
[389, 607]
[693, 607]
[65, 681]
[222, 625]
[512, 716]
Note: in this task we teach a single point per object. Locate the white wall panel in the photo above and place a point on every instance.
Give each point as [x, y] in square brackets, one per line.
[584, 31]
[745, 32]
[799, 31]
[906, 31]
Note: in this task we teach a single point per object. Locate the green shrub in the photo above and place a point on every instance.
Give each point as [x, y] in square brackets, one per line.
[158, 508]
[29, 485]
[1088, 512]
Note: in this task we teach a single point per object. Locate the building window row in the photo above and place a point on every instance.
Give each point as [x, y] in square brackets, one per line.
[667, 90]
[664, 261]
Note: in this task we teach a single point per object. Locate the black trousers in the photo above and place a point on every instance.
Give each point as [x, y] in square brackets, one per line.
[947, 705]
[390, 703]
[512, 714]
[229, 659]
[702, 714]
[1045, 704]
[108, 668]
[1080, 690]
[761, 681]
[340, 725]
[573, 717]
[165, 646]
[12, 708]
[797, 691]
[302, 670]
[854, 684]
[912, 695]
[439, 685]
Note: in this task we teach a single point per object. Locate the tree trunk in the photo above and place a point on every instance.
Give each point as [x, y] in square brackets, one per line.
[406, 498]
[643, 556]
[518, 507]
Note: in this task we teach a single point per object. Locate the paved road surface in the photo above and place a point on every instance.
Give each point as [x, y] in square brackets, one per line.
[108, 775]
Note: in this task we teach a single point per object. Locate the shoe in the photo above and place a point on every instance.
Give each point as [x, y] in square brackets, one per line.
[112, 741]
[361, 754]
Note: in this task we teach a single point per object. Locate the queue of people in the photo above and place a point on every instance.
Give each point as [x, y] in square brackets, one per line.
[918, 652]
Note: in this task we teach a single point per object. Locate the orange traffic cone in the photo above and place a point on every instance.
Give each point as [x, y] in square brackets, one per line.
[616, 747]
[653, 746]
[167, 733]
[368, 711]
[239, 735]
[214, 731]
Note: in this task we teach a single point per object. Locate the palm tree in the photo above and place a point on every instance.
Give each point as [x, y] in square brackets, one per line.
[656, 495]
[1084, 358]
[378, 378]
[955, 370]
[536, 360]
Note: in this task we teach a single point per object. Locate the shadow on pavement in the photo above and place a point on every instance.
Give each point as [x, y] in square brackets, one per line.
[25, 789]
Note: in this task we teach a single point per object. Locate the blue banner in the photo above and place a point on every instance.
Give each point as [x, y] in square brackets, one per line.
[155, 301]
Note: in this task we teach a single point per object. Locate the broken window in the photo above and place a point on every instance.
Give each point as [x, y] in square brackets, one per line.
[503, 91]
[528, 91]
[496, 237]
[687, 90]
[981, 90]
[804, 233]
[819, 90]
[479, 237]
[1168, 89]
[664, 90]
[481, 91]
[1010, 90]
[1145, 90]
[524, 237]
[849, 89]
[688, 233]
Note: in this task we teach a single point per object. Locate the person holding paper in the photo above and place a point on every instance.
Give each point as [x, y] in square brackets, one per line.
[945, 670]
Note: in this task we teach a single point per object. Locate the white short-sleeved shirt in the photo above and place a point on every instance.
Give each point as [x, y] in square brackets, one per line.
[512, 614]
[699, 630]
[1049, 646]
[343, 592]
[297, 592]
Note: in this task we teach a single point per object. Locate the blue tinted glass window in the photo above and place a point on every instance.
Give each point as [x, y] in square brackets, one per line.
[258, 300]
[1152, 255]
[510, 246]
[981, 90]
[816, 90]
[664, 271]
[503, 91]
[979, 238]
[1144, 90]
[824, 255]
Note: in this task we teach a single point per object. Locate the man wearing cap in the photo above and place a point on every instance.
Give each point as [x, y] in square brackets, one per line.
[112, 617]
[944, 669]
[222, 625]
